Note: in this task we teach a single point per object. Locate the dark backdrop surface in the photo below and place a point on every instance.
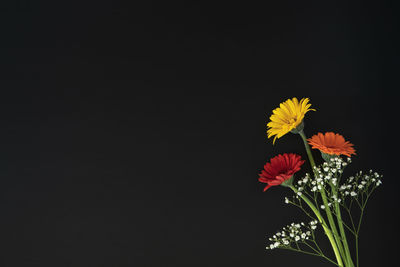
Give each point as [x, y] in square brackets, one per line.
[133, 134]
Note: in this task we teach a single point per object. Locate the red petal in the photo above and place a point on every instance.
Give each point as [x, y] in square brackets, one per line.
[265, 188]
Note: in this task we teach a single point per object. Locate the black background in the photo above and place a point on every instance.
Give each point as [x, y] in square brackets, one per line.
[133, 134]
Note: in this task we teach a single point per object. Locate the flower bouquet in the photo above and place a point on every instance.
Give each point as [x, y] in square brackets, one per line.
[333, 202]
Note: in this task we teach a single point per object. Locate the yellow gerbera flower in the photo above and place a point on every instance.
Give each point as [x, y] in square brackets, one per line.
[287, 117]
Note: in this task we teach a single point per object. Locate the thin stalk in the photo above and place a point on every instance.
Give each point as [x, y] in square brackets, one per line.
[357, 251]
[359, 225]
[301, 251]
[320, 253]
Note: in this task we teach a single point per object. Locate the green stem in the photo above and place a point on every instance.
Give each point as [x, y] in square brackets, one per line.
[310, 156]
[357, 250]
[342, 232]
[328, 232]
[323, 195]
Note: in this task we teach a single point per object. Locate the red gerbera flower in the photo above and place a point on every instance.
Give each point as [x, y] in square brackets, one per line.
[280, 169]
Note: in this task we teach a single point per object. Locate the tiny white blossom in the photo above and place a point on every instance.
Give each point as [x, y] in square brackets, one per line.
[313, 189]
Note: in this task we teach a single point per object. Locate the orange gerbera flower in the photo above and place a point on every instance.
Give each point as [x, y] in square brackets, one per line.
[332, 144]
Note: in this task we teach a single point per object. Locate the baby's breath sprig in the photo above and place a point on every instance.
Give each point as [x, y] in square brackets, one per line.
[292, 235]
[299, 237]
[358, 189]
